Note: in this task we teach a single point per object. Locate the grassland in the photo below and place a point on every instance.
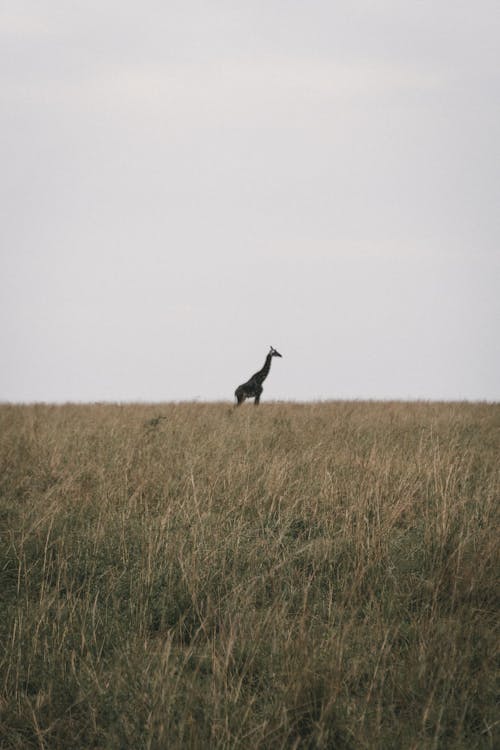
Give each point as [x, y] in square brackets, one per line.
[291, 576]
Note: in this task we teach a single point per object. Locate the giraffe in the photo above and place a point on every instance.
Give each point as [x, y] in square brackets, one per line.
[253, 387]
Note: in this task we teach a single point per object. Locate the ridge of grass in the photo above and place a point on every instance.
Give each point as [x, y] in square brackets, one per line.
[297, 575]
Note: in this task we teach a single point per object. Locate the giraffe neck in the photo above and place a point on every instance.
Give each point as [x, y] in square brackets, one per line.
[262, 374]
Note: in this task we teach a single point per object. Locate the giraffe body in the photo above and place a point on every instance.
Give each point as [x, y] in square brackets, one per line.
[253, 387]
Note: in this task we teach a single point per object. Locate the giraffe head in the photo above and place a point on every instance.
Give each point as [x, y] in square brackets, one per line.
[274, 352]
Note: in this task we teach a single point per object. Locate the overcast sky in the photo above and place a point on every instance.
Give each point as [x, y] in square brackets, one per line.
[183, 184]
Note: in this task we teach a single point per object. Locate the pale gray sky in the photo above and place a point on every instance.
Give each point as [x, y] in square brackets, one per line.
[185, 183]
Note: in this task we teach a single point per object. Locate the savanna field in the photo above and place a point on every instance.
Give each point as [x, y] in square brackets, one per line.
[288, 576]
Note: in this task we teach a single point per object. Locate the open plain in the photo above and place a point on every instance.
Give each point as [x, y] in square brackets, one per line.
[194, 575]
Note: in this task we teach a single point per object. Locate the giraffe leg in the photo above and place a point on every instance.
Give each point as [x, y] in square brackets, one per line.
[257, 396]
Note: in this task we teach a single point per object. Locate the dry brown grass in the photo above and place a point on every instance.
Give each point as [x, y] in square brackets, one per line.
[315, 575]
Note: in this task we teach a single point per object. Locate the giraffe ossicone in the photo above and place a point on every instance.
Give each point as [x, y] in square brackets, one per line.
[253, 387]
